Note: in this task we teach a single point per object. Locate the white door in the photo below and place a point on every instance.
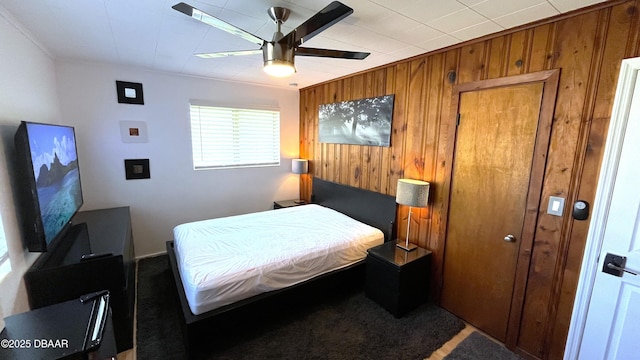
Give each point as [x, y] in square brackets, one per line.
[611, 309]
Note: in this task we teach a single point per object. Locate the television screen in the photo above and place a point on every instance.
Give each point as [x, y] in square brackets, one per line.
[51, 180]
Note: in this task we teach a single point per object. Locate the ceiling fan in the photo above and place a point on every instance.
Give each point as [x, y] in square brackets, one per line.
[278, 54]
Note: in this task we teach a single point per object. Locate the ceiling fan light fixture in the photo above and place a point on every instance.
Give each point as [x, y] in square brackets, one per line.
[278, 59]
[279, 68]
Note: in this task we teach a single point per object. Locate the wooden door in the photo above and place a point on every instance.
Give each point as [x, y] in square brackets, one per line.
[492, 165]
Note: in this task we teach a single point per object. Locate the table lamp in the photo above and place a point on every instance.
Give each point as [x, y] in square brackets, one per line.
[299, 166]
[413, 193]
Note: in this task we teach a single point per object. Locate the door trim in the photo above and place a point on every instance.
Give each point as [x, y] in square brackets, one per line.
[550, 80]
[613, 147]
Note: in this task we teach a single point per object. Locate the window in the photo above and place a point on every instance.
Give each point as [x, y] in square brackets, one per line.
[5, 264]
[228, 137]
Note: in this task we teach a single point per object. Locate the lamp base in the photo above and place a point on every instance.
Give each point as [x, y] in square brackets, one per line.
[404, 246]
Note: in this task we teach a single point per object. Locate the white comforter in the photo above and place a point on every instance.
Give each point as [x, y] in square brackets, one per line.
[225, 260]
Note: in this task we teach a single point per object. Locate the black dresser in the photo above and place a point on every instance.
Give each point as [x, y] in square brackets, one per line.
[58, 331]
[398, 280]
[61, 274]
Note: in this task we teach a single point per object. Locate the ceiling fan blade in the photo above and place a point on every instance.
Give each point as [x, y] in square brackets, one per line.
[305, 51]
[229, 53]
[319, 22]
[217, 23]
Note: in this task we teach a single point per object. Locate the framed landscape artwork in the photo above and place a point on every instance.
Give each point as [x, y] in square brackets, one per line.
[359, 122]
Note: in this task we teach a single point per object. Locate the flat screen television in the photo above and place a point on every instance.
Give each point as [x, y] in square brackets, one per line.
[49, 181]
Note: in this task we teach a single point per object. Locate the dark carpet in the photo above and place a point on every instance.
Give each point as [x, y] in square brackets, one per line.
[479, 347]
[333, 325]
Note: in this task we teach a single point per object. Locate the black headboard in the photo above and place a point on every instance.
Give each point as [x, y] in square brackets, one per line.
[369, 207]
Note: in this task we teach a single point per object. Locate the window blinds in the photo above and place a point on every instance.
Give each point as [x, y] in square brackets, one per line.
[228, 137]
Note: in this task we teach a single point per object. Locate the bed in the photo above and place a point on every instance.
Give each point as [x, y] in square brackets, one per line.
[339, 226]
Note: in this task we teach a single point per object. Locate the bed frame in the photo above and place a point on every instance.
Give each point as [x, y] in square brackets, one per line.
[375, 209]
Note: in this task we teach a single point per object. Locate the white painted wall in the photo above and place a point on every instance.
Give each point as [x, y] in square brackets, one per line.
[27, 92]
[175, 193]
[35, 88]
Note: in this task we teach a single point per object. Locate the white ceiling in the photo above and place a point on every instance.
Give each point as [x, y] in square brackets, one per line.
[150, 34]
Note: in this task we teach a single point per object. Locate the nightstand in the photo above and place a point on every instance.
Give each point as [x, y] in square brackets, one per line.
[396, 279]
[287, 203]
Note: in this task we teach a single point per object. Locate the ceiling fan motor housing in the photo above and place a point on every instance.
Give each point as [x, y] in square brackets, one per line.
[277, 53]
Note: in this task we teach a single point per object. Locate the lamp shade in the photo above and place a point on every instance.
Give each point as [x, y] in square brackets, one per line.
[412, 192]
[299, 166]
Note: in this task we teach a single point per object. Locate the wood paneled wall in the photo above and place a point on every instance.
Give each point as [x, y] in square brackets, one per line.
[587, 46]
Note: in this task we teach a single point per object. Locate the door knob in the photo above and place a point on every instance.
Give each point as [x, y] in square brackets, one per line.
[509, 238]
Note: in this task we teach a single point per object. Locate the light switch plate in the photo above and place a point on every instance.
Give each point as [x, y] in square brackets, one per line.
[556, 206]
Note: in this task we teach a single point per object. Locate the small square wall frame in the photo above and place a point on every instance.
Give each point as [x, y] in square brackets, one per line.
[137, 169]
[133, 132]
[129, 92]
